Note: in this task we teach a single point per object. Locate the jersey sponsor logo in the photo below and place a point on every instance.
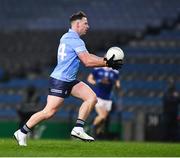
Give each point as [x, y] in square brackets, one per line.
[56, 91]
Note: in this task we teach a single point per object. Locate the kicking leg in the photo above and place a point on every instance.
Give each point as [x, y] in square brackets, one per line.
[53, 104]
[84, 92]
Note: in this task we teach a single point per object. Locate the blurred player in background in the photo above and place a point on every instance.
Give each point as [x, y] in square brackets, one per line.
[103, 79]
[63, 81]
[29, 106]
[171, 104]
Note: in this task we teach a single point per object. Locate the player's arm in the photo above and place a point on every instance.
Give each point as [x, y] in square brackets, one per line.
[90, 79]
[118, 84]
[91, 60]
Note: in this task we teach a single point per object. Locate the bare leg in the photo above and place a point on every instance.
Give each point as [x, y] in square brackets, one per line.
[98, 123]
[84, 92]
[102, 115]
[52, 106]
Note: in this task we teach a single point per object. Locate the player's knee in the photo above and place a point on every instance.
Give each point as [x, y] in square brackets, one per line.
[102, 117]
[48, 114]
[93, 100]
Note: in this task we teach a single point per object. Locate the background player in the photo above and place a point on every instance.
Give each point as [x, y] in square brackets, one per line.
[63, 81]
[103, 80]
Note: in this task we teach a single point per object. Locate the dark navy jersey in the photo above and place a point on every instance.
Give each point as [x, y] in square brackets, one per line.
[105, 80]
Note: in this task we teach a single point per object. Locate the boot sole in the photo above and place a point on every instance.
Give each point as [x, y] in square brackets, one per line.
[85, 140]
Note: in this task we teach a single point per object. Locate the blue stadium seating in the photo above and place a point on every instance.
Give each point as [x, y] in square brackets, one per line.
[140, 84]
[142, 101]
[5, 113]
[10, 99]
[121, 15]
[23, 83]
[125, 15]
[151, 68]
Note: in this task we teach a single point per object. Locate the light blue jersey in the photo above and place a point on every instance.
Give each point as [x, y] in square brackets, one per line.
[68, 62]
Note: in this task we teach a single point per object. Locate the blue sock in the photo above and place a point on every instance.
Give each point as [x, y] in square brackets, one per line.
[25, 129]
[93, 127]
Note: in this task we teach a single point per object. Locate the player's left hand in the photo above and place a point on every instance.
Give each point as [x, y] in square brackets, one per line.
[117, 64]
[114, 64]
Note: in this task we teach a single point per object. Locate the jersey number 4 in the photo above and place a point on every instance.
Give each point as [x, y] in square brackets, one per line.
[61, 51]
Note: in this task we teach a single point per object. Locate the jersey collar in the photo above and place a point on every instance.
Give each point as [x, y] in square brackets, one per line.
[74, 32]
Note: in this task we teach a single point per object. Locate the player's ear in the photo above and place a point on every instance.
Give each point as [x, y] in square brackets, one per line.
[77, 23]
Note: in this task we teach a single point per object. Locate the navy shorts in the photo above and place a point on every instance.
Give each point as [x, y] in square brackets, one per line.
[61, 88]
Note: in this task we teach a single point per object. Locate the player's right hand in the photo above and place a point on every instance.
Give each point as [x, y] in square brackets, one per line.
[114, 64]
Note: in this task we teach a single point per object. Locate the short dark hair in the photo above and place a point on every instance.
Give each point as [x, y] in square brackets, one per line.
[77, 16]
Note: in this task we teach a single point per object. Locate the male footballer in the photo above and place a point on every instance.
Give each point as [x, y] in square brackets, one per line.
[63, 82]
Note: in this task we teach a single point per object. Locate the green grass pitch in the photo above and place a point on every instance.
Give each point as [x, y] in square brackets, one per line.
[75, 148]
